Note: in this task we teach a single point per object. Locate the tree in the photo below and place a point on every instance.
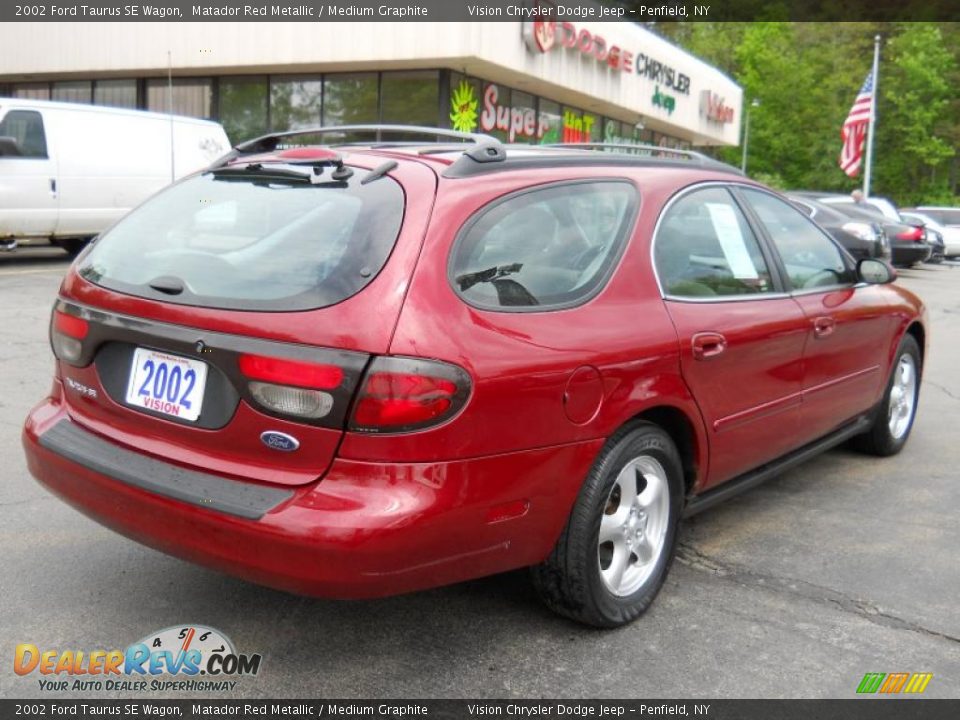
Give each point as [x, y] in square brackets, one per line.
[911, 148]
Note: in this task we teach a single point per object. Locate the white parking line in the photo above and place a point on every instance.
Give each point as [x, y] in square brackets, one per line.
[31, 272]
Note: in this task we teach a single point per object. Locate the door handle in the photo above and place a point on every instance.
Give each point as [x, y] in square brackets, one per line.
[823, 326]
[707, 345]
[53, 186]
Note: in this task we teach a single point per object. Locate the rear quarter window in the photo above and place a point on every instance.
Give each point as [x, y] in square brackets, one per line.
[545, 248]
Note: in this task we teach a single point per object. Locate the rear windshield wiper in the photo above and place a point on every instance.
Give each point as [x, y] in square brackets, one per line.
[262, 175]
[259, 173]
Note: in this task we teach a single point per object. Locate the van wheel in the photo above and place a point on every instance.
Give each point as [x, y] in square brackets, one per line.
[894, 419]
[614, 553]
[73, 246]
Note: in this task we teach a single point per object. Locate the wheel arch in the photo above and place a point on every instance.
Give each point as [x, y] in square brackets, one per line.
[919, 334]
[686, 435]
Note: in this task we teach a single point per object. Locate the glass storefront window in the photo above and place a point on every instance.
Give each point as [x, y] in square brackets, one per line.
[190, 96]
[465, 103]
[551, 120]
[524, 123]
[116, 93]
[32, 91]
[350, 100]
[295, 103]
[495, 111]
[76, 91]
[410, 98]
[243, 107]
[579, 126]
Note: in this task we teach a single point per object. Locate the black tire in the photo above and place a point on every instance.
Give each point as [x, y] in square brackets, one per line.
[73, 246]
[879, 439]
[569, 581]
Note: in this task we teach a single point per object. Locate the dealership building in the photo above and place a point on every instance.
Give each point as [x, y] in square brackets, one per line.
[529, 82]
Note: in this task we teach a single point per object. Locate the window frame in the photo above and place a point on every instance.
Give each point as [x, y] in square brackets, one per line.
[761, 230]
[629, 222]
[43, 128]
[770, 257]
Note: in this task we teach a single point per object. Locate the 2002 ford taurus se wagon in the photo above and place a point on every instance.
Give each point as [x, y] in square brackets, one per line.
[352, 371]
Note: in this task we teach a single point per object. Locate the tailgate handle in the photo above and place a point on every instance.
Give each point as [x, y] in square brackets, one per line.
[707, 345]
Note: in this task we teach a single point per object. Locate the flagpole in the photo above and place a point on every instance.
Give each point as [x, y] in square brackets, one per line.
[873, 115]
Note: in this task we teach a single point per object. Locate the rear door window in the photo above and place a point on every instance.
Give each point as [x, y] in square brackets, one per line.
[265, 239]
[705, 249]
[544, 249]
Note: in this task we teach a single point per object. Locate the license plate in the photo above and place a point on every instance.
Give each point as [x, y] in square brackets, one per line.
[167, 384]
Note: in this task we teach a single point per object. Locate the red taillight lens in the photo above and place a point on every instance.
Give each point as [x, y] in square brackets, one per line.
[404, 394]
[70, 325]
[915, 234]
[66, 336]
[295, 373]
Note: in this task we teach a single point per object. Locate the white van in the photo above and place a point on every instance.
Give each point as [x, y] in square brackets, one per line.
[69, 171]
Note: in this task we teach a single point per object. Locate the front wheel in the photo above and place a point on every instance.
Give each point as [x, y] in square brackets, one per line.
[614, 553]
[894, 419]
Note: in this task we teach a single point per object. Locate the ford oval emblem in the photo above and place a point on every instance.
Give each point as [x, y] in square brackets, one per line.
[279, 441]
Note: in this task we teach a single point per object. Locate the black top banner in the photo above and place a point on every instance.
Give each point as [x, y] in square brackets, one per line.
[479, 10]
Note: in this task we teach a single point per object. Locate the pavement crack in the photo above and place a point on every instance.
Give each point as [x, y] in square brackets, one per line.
[945, 390]
[24, 502]
[693, 558]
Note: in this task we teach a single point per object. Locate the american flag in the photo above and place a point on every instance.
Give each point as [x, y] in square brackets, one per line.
[855, 129]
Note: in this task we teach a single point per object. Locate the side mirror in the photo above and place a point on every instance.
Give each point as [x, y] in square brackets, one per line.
[9, 147]
[875, 272]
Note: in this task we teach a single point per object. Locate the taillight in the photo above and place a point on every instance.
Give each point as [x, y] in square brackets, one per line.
[914, 233]
[405, 394]
[291, 372]
[291, 387]
[66, 336]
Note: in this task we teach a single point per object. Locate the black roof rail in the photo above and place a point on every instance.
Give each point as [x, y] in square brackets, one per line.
[645, 150]
[638, 156]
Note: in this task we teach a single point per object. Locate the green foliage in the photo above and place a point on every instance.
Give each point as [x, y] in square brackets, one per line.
[806, 76]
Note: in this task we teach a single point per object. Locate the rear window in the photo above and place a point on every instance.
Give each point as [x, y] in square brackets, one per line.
[543, 249]
[265, 239]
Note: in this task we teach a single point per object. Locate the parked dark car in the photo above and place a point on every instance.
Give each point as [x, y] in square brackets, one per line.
[354, 371]
[861, 238]
[908, 242]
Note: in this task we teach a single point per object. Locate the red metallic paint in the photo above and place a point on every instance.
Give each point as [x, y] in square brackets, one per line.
[845, 368]
[367, 530]
[491, 488]
[750, 392]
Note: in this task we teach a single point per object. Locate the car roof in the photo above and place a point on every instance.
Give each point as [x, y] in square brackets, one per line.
[467, 154]
[823, 213]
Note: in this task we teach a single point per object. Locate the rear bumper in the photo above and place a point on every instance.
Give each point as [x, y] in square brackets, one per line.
[366, 530]
[908, 253]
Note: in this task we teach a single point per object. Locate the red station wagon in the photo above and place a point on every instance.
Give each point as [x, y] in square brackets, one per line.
[353, 370]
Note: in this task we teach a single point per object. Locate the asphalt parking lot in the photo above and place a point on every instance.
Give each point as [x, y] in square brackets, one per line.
[844, 566]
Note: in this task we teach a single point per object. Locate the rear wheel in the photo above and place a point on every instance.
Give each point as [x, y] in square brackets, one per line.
[614, 553]
[894, 419]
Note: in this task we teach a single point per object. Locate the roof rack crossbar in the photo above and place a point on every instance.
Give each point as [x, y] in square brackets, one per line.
[268, 143]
